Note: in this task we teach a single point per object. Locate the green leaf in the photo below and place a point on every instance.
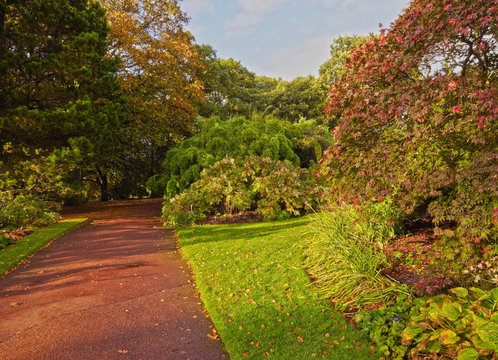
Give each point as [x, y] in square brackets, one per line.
[494, 294]
[409, 334]
[483, 345]
[435, 314]
[478, 292]
[488, 331]
[460, 292]
[448, 337]
[451, 311]
[434, 346]
[494, 317]
[468, 354]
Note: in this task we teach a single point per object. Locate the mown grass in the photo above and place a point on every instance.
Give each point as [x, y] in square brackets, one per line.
[253, 284]
[23, 248]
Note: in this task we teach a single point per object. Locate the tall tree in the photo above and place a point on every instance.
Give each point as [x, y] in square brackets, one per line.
[159, 66]
[159, 74]
[230, 89]
[296, 99]
[333, 68]
[57, 88]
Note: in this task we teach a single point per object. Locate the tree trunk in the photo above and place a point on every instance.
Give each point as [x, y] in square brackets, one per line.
[102, 181]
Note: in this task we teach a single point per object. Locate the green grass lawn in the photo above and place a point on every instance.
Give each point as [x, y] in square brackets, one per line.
[23, 248]
[261, 300]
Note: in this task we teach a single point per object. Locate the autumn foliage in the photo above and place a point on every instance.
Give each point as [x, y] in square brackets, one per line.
[159, 66]
[417, 109]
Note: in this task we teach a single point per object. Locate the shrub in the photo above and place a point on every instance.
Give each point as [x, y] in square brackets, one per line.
[5, 241]
[384, 326]
[461, 325]
[276, 189]
[345, 254]
[467, 262]
[25, 211]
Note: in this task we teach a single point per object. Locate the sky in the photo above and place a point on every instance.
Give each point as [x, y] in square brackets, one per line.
[284, 38]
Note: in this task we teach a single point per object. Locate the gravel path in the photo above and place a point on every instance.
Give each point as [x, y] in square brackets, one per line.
[114, 289]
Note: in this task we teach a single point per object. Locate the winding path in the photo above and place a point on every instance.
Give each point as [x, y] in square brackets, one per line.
[114, 289]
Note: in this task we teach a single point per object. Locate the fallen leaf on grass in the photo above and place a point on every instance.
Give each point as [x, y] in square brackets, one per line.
[300, 339]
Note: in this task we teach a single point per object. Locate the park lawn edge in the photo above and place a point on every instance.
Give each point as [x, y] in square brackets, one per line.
[13, 256]
[330, 325]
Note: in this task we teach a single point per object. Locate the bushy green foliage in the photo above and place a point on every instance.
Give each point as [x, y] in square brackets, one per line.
[345, 253]
[384, 326]
[416, 110]
[238, 138]
[5, 241]
[276, 189]
[462, 325]
[25, 211]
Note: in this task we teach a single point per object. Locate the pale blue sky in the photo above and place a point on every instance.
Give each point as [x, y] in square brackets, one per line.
[284, 38]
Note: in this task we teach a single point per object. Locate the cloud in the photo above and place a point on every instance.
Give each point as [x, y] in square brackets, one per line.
[304, 59]
[252, 13]
[196, 6]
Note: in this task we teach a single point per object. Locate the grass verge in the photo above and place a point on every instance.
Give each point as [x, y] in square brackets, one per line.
[11, 256]
[253, 284]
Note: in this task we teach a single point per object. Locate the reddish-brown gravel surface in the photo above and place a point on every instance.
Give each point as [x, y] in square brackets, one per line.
[114, 289]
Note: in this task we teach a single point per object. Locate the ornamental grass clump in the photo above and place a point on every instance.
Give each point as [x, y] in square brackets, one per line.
[345, 256]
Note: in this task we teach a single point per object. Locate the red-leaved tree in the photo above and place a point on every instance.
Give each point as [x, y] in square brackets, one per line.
[417, 110]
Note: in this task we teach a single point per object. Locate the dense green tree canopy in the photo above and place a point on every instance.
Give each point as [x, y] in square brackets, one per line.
[231, 89]
[57, 88]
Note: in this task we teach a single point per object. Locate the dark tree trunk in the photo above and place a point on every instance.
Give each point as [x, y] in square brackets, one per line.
[102, 181]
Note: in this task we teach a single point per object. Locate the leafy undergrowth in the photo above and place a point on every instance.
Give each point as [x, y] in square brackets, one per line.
[261, 300]
[12, 255]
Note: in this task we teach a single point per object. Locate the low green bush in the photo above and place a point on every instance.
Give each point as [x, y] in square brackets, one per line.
[25, 211]
[384, 326]
[345, 254]
[462, 325]
[275, 189]
[5, 241]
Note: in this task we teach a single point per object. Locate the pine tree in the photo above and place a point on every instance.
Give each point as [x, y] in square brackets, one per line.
[57, 87]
